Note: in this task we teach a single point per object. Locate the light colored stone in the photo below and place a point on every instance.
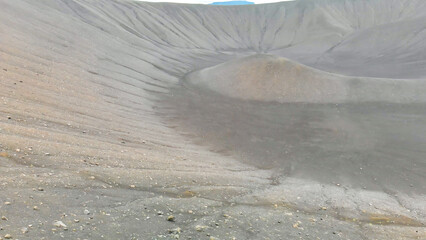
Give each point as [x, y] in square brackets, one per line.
[200, 228]
[171, 218]
[59, 224]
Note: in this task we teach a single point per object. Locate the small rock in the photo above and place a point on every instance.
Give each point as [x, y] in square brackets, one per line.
[7, 203]
[35, 208]
[8, 236]
[9, 117]
[200, 228]
[4, 218]
[175, 230]
[296, 225]
[76, 220]
[24, 230]
[160, 213]
[132, 186]
[87, 212]
[40, 189]
[171, 218]
[59, 224]
[92, 177]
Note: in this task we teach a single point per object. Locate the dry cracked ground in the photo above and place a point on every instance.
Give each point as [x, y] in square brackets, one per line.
[131, 120]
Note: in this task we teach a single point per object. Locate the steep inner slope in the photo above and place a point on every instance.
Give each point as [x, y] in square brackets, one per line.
[81, 82]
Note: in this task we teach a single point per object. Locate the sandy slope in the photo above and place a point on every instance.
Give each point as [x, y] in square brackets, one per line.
[81, 126]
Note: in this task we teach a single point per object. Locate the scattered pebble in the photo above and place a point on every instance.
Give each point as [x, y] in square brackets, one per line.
[171, 218]
[24, 230]
[200, 228]
[87, 212]
[7, 203]
[175, 230]
[4, 218]
[8, 236]
[297, 224]
[59, 224]
[35, 208]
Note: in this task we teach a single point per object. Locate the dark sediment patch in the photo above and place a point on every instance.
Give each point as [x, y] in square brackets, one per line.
[373, 146]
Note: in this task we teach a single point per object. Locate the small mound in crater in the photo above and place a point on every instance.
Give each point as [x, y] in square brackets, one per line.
[271, 78]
